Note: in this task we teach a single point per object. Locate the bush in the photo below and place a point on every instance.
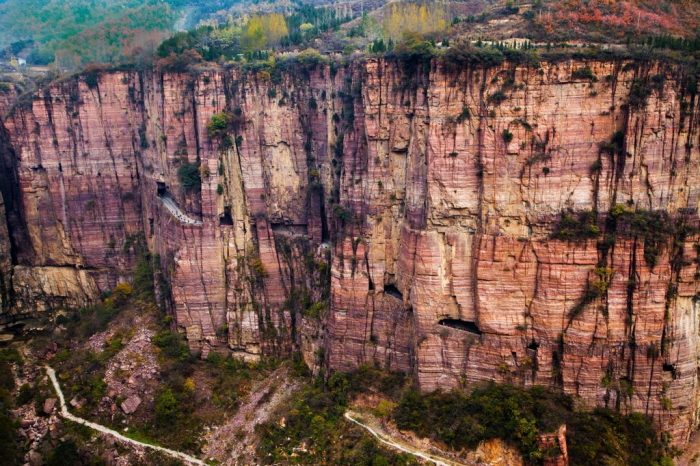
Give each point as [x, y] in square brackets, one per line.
[218, 124]
[577, 226]
[314, 417]
[654, 227]
[517, 416]
[413, 51]
[497, 98]
[507, 136]
[172, 345]
[65, 453]
[639, 94]
[464, 115]
[585, 73]
[463, 53]
[189, 177]
[167, 408]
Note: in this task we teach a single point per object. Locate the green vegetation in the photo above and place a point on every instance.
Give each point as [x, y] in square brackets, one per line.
[507, 136]
[314, 417]
[252, 39]
[519, 415]
[77, 32]
[654, 227]
[585, 73]
[575, 226]
[415, 19]
[596, 288]
[9, 441]
[189, 176]
[640, 90]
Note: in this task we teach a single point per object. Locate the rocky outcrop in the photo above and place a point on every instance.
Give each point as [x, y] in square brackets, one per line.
[405, 216]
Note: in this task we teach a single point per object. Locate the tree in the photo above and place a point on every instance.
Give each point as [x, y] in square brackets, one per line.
[189, 177]
[167, 407]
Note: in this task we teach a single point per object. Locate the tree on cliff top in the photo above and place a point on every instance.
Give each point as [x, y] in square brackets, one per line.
[263, 31]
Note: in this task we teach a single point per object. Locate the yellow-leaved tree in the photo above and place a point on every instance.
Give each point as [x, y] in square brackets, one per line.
[263, 31]
[427, 18]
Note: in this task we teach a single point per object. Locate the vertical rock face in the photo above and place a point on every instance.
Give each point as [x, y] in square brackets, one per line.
[384, 214]
[5, 261]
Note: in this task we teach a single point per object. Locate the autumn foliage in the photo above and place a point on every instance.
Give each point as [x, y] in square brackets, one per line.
[617, 17]
[411, 18]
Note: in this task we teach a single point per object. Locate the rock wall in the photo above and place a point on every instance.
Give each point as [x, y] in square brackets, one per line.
[377, 212]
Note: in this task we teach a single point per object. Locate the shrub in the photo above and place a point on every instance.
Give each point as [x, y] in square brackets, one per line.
[577, 226]
[218, 124]
[497, 98]
[639, 93]
[341, 213]
[413, 51]
[189, 177]
[464, 115]
[463, 53]
[314, 417]
[585, 73]
[507, 136]
[519, 415]
[315, 310]
[172, 345]
[167, 408]
[655, 227]
[92, 79]
[66, 452]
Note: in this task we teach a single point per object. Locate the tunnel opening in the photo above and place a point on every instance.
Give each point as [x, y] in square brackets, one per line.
[463, 325]
[161, 188]
[391, 290]
[667, 367]
[533, 345]
[226, 218]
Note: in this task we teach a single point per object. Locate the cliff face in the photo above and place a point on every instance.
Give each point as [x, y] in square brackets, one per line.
[380, 214]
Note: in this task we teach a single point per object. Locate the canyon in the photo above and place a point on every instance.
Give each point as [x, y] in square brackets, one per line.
[380, 212]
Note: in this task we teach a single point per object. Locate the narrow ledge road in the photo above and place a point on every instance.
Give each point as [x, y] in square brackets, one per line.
[387, 440]
[176, 212]
[105, 430]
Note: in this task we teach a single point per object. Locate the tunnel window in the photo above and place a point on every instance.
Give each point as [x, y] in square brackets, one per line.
[226, 218]
[463, 325]
[391, 290]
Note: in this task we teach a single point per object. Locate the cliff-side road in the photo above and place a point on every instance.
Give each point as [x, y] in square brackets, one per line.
[173, 208]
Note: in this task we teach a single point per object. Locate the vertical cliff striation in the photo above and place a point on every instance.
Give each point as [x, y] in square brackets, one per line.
[533, 224]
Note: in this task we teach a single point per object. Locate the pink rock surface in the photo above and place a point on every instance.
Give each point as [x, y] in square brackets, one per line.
[405, 178]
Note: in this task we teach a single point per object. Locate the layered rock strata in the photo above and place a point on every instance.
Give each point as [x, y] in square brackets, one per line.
[385, 213]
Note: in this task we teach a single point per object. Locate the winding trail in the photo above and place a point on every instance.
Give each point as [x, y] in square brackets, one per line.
[387, 440]
[105, 430]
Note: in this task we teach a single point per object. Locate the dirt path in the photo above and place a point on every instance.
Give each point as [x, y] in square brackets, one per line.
[386, 439]
[105, 430]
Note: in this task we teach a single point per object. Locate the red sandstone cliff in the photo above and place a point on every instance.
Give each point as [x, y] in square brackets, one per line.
[420, 205]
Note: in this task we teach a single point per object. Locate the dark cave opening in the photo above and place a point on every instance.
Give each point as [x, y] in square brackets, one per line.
[226, 218]
[463, 325]
[391, 290]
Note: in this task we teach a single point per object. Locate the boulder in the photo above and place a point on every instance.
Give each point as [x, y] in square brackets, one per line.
[49, 405]
[131, 404]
